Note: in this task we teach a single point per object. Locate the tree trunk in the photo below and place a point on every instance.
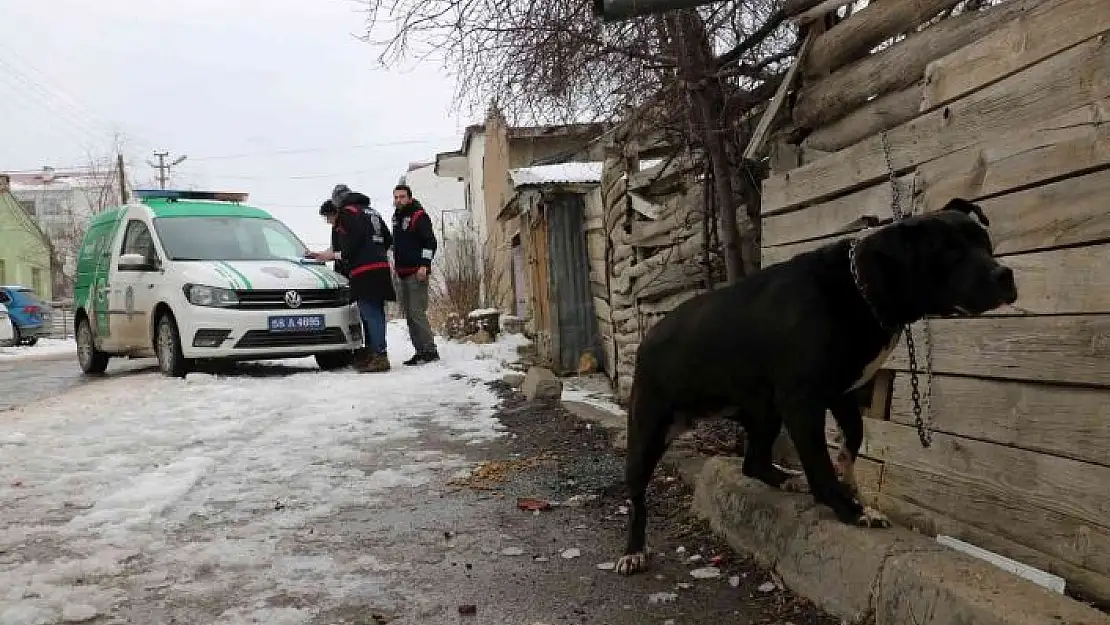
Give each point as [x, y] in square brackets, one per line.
[696, 66]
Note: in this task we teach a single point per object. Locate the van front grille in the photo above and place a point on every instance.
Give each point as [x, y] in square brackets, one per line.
[258, 339]
[274, 299]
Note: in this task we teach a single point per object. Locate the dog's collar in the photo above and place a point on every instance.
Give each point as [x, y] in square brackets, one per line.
[861, 286]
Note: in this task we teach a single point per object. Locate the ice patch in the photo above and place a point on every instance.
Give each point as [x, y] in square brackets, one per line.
[211, 477]
[44, 348]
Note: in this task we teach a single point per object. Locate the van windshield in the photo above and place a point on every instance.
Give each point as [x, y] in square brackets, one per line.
[227, 238]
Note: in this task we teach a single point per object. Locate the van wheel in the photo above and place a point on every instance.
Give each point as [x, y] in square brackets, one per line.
[17, 336]
[330, 361]
[168, 348]
[31, 341]
[92, 360]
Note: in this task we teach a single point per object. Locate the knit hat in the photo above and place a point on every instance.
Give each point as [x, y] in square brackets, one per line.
[340, 193]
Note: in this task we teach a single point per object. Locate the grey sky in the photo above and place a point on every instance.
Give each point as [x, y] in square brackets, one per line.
[272, 97]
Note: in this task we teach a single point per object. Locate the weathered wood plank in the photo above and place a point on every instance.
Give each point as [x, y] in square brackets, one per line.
[668, 280]
[601, 309]
[882, 113]
[1072, 422]
[777, 254]
[1065, 281]
[1067, 81]
[596, 246]
[933, 523]
[1045, 30]
[667, 304]
[1064, 146]
[1067, 212]
[820, 220]
[661, 174]
[896, 67]
[1064, 349]
[1002, 511]
[1055, 505]
[877, 22]
[763, 128]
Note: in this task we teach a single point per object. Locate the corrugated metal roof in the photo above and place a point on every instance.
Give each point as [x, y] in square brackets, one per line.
[581, 173]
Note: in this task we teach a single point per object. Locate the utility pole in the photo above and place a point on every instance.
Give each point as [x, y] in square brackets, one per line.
[164, 168]
[122, 179]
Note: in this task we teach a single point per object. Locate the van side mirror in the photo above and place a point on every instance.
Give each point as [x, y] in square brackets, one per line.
[135, 262]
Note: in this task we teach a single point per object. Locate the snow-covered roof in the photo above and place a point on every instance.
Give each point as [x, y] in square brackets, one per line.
[50, 180]
[566, 173]
[580, 173]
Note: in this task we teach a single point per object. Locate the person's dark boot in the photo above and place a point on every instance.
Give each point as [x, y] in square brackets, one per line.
[417, 359]
[431, 356]
[375, 364]
[362, 356]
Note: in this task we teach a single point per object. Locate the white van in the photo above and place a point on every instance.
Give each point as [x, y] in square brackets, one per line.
[189, 275]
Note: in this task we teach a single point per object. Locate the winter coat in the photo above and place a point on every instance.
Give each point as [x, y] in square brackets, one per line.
[364, 242]
[414, 239]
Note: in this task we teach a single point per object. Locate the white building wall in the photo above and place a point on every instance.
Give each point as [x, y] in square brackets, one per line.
[443, 198]
[476, 157]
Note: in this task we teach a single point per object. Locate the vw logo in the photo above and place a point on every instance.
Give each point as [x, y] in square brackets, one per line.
[292, 299]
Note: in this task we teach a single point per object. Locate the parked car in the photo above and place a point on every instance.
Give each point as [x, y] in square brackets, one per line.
[7, 330]
[193, 275]
[30, 317]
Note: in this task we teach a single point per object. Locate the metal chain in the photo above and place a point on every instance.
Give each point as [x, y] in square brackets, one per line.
[921, 421]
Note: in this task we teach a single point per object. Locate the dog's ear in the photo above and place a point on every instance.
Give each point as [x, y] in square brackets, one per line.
[967, 208]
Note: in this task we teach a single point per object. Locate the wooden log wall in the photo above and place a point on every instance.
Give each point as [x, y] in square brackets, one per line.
[655, 246]
[1010, 112]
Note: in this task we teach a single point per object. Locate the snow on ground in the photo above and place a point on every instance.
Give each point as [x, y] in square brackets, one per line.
[140, 480]
[44, 347]
[592, 390]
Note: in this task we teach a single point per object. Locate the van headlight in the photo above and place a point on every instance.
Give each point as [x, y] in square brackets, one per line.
[200, 295]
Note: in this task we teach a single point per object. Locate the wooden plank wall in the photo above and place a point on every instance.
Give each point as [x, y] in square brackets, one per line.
[654, 247]
[1012, 117]
[596, 250]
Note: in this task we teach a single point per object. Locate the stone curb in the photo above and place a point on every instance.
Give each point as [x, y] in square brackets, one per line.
[868, 577]
[885, 577]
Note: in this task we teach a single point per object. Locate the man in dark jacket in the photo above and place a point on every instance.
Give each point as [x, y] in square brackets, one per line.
[363, 242]
[414, 247]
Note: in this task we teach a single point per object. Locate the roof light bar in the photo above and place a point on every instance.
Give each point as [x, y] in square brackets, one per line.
[181, 194]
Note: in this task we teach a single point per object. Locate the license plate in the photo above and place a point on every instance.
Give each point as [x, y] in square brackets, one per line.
[295, 323]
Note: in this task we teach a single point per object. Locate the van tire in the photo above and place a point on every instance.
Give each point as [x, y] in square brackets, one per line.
[167, 346]
[92, 360]
[331, 361]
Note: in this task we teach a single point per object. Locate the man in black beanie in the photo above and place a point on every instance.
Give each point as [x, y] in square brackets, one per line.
[361, 241]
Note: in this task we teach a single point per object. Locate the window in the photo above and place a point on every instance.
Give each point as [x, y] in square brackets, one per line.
[36, 280]
[4, 298]
[3, 272]
[137, 240]
[227, 238]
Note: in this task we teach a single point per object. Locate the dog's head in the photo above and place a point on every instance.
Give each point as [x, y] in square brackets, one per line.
[942, 263]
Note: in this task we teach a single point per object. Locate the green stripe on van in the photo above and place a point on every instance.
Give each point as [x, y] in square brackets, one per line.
[246, 283]
[225, 275]
[322, 275]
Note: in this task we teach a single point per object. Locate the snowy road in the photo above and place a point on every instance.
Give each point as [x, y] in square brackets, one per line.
[141, 499]
[30, 379]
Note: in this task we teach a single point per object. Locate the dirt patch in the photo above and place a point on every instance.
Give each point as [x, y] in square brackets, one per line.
[584, 466]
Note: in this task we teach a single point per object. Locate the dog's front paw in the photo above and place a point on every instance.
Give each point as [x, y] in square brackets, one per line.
[795, 484]
[872, 518]
[631, 563]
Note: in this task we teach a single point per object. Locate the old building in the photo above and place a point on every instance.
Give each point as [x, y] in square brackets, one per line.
[25, 257]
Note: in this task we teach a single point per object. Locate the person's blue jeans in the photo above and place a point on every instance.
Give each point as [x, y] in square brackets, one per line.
[372, 312]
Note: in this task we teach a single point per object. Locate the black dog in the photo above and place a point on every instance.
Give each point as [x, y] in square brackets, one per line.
[798, 338]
